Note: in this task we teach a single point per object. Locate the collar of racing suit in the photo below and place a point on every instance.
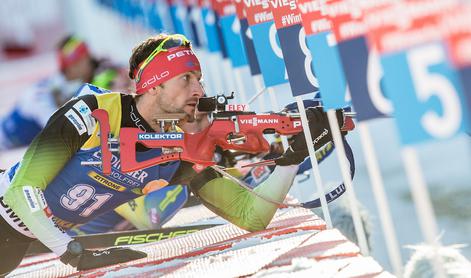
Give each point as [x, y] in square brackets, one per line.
[131, 117]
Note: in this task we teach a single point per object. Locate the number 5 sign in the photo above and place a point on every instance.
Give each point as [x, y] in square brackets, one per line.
[427, 96]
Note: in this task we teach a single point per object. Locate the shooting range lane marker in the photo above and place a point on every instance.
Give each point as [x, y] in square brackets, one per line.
[315, 165]
[347, 179]
[380, 198]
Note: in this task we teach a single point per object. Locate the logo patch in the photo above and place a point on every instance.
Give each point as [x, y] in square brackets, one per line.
[10, 216]
[106, 182]
[155, 78]
[170, 197]
[76, 121]
[178, 54]
[160, 136]
[41, 199]
[86, 114]
[256, 121]
[31, 199]
[260, 173]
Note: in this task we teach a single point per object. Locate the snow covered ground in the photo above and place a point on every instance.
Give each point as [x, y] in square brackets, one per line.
[446, 167]
[294, 244]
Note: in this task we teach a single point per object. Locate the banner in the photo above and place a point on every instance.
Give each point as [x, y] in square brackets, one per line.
[297, 57]
[427, 94]
[195, 23]
[180, 18]
[326, 61]
[361, 66]
[209, 22]
[247, 40]
[231, 28]
[459, 49]
[266, 42]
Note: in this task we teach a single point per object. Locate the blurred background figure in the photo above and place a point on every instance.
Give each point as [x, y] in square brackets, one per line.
[22, 123]
[76, 66]
[112, 77]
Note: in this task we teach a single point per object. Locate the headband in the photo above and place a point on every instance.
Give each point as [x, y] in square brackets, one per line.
[72, 52]
[164, 66]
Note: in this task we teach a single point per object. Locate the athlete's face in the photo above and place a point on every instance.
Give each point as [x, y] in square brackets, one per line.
[181, 94]
[80, 70]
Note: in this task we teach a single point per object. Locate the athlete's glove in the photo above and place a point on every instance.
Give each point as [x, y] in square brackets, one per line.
[84, 259]
[320, 134]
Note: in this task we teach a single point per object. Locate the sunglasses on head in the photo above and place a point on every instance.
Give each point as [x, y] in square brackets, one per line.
[168, 43]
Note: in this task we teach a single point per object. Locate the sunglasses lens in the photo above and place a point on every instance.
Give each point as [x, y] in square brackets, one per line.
[174, 42]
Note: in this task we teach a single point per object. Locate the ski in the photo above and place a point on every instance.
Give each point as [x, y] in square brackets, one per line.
[133, 237]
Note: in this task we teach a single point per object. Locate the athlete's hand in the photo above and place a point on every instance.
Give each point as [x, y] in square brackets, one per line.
[320, 135]
[84, 259]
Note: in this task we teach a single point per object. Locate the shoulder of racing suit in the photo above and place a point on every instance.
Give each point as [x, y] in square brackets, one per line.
[72, 128]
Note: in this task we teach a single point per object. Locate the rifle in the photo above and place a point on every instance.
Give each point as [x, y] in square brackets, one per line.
[231, 128]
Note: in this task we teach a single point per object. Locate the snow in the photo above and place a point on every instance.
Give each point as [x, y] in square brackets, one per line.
[295, 243]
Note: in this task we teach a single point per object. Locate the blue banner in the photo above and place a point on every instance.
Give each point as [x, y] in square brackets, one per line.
[126, 8]
[364, 80]
[181, 21]
[219, 36]
[153, 17]
[106, 3]
[193, 25]
[249, 47]
[426, 92]
[231, 34]
[298, 60]
[465, 77]
[209, 21]
[269, 53]
[328, 70]
[145, 13]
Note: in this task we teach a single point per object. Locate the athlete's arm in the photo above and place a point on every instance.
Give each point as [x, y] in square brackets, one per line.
[242, 207]
[239, 206]
[63, 135]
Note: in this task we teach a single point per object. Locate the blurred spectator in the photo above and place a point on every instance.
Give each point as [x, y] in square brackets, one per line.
[31, 112]
[112, 77]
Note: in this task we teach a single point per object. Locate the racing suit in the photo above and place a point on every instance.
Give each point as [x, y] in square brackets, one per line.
[49, 190]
